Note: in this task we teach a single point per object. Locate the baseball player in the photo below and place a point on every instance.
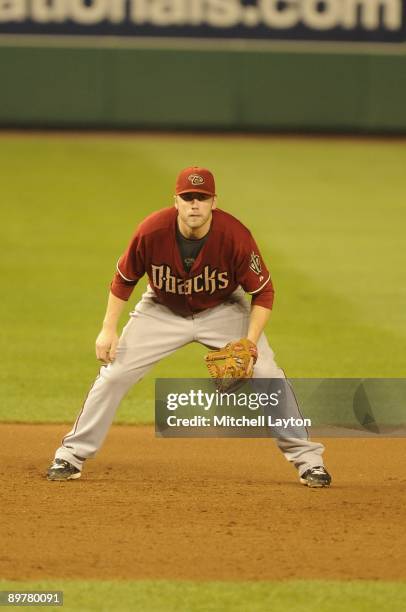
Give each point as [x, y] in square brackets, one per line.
[200, 262]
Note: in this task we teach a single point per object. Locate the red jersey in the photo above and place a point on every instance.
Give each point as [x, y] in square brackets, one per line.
[228, 258]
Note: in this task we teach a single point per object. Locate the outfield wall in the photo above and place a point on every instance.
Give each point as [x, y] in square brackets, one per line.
[202, 87]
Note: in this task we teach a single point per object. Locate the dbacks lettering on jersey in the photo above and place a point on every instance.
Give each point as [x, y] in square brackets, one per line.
[209, 281]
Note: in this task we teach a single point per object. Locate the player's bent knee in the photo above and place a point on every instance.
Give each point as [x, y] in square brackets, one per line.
[116, 374]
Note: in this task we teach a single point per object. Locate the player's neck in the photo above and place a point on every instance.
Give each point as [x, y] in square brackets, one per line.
[194, 233]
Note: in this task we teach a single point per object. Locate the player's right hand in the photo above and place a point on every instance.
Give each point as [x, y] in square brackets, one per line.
[106, 346]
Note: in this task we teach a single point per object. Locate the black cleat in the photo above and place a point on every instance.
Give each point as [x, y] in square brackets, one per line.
[316, 477]
[62, 470]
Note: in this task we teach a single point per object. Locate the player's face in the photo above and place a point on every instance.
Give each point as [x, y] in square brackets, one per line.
[194, 213]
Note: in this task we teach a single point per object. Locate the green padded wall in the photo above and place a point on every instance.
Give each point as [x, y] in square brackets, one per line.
[202, 89]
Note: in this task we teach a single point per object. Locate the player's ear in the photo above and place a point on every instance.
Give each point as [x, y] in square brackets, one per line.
[175, 201]
[214, 205]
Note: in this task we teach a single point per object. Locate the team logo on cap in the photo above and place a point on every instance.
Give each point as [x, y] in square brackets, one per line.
[195, 179]
[255, 263]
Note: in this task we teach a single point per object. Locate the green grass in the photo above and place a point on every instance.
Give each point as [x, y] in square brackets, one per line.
[175, 596]
[329, 216]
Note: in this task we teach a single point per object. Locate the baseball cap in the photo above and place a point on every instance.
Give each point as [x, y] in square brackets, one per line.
[197, 179]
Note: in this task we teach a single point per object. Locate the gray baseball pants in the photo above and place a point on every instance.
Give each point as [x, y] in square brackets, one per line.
[152, 333]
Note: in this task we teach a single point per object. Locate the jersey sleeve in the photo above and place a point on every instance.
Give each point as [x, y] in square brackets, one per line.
[253, 275]
[130, 268]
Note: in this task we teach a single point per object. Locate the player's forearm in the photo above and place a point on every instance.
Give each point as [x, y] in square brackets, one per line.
[258, 319]
[114, 309]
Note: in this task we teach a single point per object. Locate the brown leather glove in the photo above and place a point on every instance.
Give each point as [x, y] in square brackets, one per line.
[233, 363]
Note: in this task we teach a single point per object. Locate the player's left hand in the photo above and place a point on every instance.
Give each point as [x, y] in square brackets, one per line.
[230, 365]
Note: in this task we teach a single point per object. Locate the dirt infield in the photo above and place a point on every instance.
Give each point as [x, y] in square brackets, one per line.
[200, 509]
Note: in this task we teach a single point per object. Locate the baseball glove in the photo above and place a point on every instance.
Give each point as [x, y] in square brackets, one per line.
[233, 363]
